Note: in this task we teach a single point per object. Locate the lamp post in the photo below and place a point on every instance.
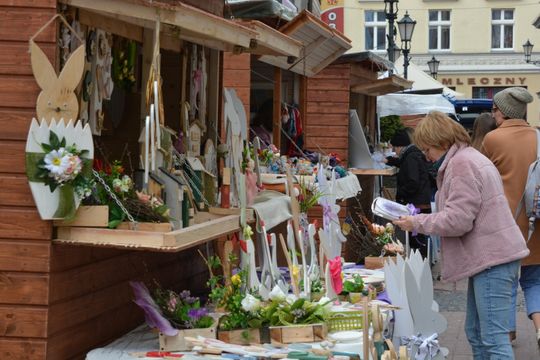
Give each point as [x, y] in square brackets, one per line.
[433, 67]
[406, 28]
[527, 50]
[390, 12]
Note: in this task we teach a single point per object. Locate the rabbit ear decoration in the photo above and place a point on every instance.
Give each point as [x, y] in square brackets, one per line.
[41, 66]
[71, 74]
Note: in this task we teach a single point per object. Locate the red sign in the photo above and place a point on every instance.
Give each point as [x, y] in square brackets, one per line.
[334, 17]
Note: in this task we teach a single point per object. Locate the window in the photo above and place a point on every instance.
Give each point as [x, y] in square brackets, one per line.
[485, 92]
[502, 29]
[439, 30]
[375, 23]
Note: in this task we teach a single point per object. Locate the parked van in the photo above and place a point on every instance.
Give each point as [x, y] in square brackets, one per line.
[467, 110]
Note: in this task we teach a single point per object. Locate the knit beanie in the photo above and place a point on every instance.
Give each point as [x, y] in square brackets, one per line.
[513, 102]
[401, 138]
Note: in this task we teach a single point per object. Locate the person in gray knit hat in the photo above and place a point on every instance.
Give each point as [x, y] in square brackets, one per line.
[512, 102]
[512, 148]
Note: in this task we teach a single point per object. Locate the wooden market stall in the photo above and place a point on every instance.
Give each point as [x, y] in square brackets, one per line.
[59, 300]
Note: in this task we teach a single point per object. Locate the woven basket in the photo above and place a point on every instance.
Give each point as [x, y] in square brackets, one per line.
[346, 320]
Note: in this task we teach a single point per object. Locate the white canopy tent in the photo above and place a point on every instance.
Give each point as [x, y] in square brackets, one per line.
[412, 104]
[423, 81]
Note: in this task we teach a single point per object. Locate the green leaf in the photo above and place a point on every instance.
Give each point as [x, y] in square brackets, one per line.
[63, 142]
[46, 148]
[298, 304]
[114, 223]
[53, 140]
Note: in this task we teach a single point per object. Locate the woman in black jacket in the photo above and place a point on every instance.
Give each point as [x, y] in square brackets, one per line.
[413, 179]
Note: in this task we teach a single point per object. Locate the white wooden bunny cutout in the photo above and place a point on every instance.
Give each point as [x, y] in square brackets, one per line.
[57, 99]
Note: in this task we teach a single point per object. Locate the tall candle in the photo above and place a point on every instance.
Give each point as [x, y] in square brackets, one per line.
[146, 142]
[158, 122]
[152, 137]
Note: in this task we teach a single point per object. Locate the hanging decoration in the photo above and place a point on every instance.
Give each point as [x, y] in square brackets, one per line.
[57, 99]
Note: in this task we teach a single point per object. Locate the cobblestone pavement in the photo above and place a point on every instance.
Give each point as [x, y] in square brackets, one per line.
[452, 299]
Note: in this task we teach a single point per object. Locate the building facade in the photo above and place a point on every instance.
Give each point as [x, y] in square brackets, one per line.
[478, 43]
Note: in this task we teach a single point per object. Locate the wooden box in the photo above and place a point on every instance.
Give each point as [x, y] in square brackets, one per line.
[298, 333]
[241, 336]
[377, 262]
[146, 226]
[178, 342]
[88, 216]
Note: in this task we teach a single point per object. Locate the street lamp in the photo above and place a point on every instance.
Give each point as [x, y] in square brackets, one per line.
[390, 12]
[433, 67]
[406, 28]
[527, 49]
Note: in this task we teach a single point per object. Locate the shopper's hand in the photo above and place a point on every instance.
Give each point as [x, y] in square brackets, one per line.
[405, 223]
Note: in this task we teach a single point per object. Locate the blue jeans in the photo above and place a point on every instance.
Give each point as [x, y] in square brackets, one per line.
[530, 284]
[489, 311]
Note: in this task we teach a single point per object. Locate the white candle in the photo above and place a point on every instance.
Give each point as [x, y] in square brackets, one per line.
[152, 137]
[158, 123]
[146, 140]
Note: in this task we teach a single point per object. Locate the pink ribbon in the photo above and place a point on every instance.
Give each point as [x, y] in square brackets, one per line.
[335, 274]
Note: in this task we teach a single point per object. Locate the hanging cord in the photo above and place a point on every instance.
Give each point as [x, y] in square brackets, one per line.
[50, 21]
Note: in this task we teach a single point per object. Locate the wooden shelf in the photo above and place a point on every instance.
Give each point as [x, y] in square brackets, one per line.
[384, 172]
[208, 227]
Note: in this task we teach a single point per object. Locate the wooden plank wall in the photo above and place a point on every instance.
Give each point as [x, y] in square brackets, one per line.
[327, 113]
[24, 238]
[57, 302]
[326, 122]
[237, 75]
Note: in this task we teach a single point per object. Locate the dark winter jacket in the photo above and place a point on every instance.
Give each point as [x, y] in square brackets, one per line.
[413, 178]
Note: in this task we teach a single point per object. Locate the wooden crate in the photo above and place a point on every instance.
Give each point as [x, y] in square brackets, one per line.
[377, 262]
[88, 216]
[298, 333]
[178, 342]
[146, 226]
[241, 337]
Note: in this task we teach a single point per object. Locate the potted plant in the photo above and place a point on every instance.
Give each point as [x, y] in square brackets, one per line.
[240, 322]
[292, 319]
[353, 288]
[176, 316]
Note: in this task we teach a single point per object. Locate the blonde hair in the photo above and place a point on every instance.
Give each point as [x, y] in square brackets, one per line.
[437, 130]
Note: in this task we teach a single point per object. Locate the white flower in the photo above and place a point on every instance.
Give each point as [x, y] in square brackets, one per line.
[325, 300]
[291, 298]
[251, 303]
[117, 185]
[277, 294]
[57, 162]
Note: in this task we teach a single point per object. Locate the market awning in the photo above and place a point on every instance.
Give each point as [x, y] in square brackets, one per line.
[365, 69]
[321, 45]
[178, 20]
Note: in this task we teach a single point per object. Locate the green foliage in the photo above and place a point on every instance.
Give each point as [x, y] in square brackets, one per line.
[354, 286]
[389, 126]
[299, 312]
[309, 196]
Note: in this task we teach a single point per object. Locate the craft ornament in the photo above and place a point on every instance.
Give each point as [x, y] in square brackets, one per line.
[62, 167]
[57, 98]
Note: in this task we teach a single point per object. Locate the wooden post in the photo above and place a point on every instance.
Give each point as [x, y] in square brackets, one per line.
[276, 131]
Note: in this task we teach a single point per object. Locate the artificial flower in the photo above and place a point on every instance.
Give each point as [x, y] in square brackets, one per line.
[290, 299]
[56, 161]
[236, 280]
[248, 232]
[277, 294]
[250, 303]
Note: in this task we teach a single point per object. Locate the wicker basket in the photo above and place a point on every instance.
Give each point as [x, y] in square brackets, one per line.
[346, 320]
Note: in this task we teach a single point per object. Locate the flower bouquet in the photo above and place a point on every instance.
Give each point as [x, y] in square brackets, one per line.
[143, 207]
[59, 167]
[354, 288]
[176, 316]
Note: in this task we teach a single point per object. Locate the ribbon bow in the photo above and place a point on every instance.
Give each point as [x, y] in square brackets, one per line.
[328, 214]
[427, 348]
[413, 210]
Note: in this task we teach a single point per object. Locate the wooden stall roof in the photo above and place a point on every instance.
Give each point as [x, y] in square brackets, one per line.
[365, 69]
[270, 41]
[194, 25]
[321, 45]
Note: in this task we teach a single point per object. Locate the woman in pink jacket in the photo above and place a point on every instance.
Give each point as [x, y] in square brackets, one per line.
[479, 237]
